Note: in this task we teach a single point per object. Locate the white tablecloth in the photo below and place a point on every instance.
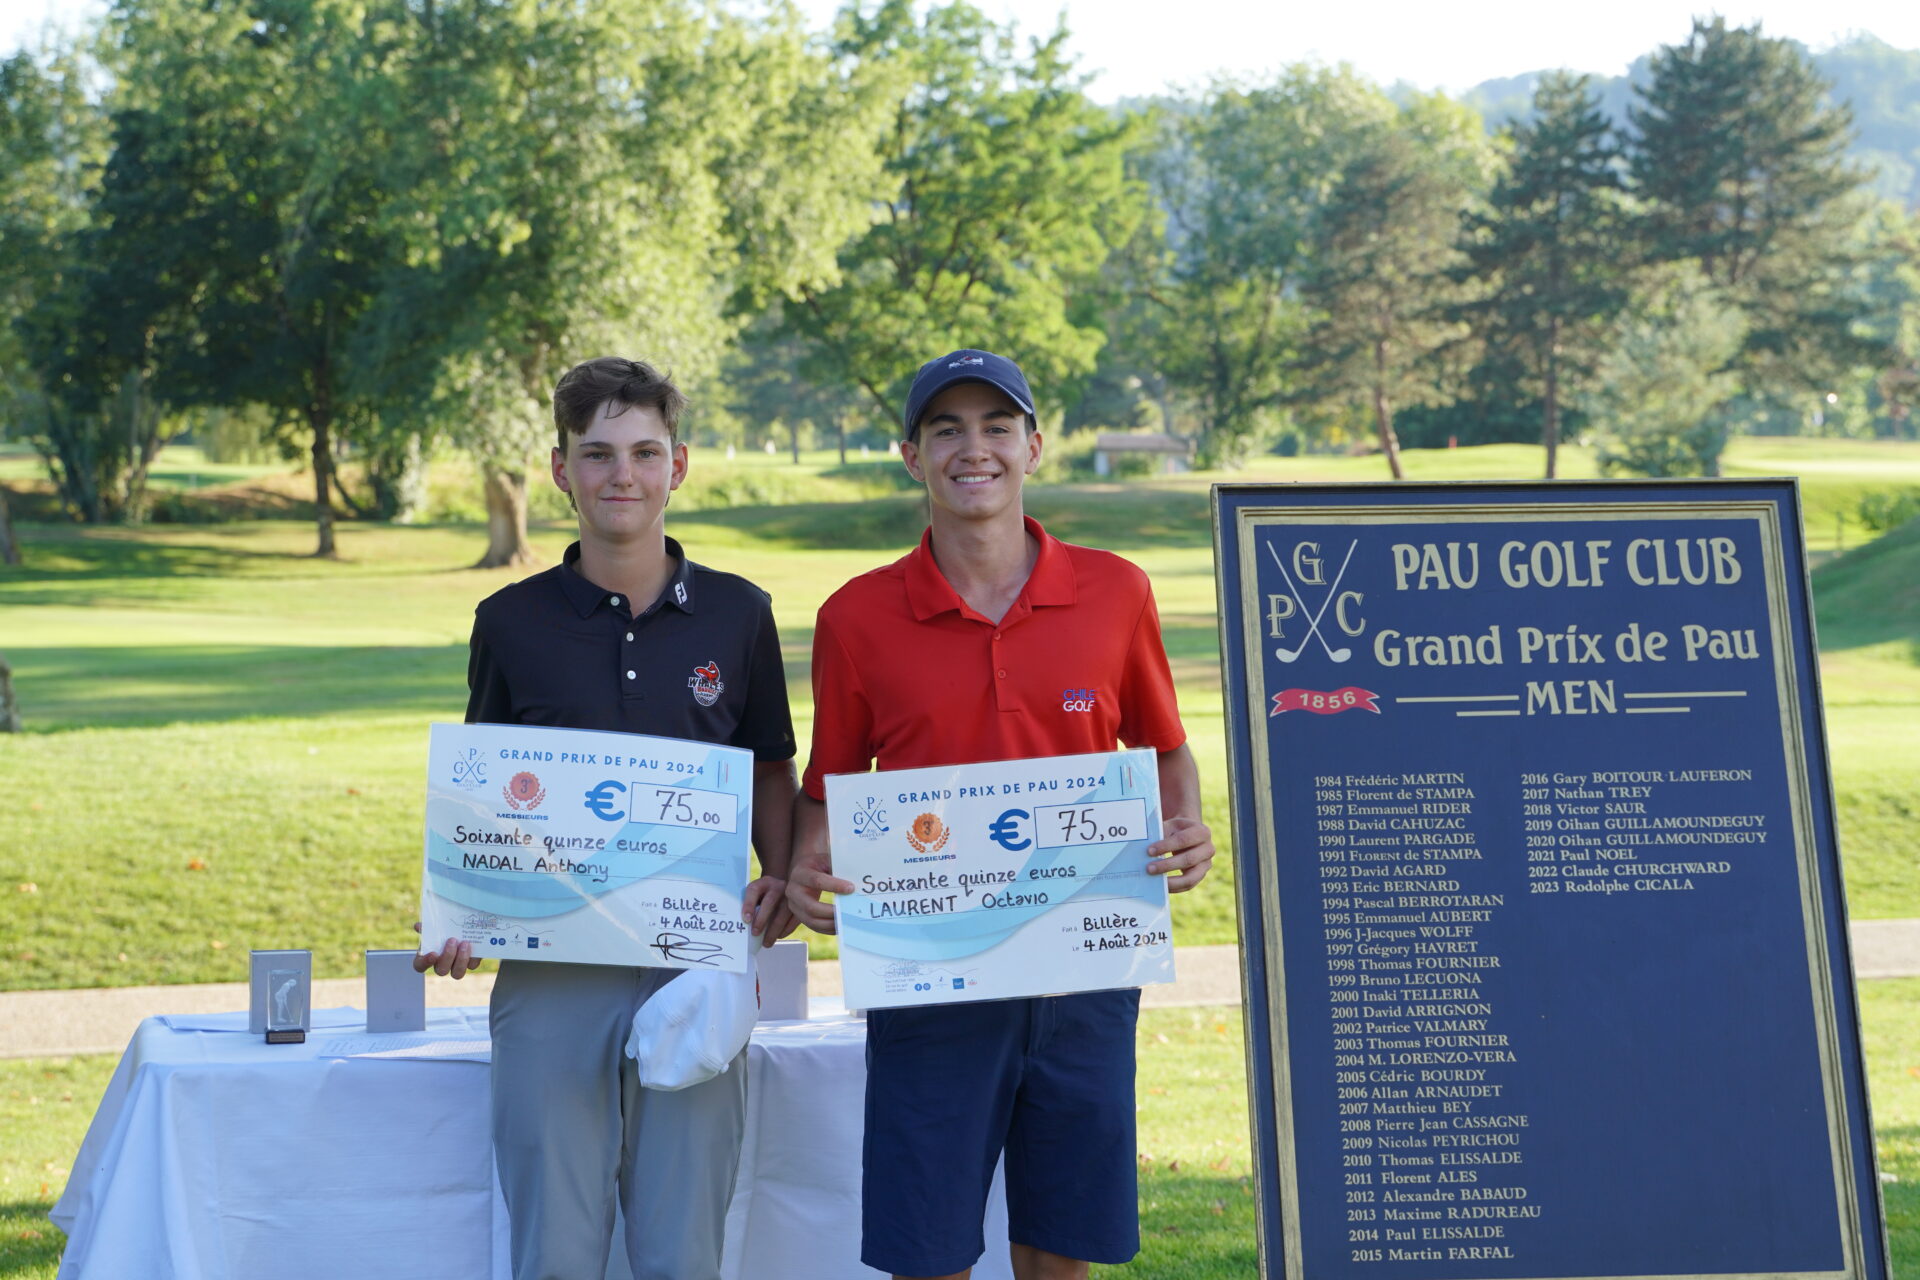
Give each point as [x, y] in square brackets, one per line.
[215, 1156]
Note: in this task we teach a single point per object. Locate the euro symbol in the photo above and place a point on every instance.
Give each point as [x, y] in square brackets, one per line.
[600, 800]
[1006, 832]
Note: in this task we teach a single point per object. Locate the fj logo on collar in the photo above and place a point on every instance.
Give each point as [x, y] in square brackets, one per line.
[680, 594]
[706, 685]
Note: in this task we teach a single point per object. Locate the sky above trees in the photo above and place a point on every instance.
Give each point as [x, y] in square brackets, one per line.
[1137, 48]
[1140, 47]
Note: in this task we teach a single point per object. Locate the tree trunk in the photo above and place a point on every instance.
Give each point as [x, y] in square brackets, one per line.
[1383, 414]
[793, 432]
[506, 518]
[143, 417]
[9, 709]
[840, 426]
[323, 483]
[75, 475]
[1550, 431]
[9, 546]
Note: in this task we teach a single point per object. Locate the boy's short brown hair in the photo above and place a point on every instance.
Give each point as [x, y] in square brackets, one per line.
[581, 391]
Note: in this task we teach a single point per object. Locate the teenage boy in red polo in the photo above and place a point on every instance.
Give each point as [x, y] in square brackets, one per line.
[959, 653]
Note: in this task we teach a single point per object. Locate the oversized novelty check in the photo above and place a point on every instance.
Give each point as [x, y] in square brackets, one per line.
[591, 848]
[986, 881]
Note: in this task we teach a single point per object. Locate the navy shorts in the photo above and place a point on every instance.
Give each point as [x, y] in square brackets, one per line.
[1050, 1081]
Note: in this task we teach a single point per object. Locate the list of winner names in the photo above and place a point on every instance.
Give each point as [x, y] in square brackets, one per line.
[1433, 1154]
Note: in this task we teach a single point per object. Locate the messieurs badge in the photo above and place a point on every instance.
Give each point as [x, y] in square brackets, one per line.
[990, 881]
[590, 848]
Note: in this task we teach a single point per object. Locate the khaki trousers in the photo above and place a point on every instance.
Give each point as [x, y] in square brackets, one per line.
[574, 1133]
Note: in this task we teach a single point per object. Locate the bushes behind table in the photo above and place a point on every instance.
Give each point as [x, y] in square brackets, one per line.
[1887, 509]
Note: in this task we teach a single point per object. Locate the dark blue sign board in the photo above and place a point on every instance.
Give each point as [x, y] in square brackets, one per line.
[1541, 913]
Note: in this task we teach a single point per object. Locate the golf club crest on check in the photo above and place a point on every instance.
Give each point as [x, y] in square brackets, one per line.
[1298, 601]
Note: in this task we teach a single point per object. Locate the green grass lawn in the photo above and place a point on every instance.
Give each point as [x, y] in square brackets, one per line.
[1196, 1188]
[225, 737]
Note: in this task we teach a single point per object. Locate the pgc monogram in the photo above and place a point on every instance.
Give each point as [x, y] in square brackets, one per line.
[870, 820]
[469, 770]
[1310, 570]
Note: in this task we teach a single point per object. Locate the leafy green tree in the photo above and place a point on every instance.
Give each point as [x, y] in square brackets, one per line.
[556, 206]
[1381, 278]
[1887, 286]
[765, 393]
[63, 386]
[1657, 401]
[1241, 175]
[239, 242]
[1550, 249]
[1741, 161]
[1003, 188]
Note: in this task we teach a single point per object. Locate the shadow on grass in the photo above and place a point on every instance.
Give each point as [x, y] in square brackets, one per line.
[1117, 518]
[29, 1244]
[1871, 594]
[67, 554]
[825, 526]
[70, 688]
[1194, 640]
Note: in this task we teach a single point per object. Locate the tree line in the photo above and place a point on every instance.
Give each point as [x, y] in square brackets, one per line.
[382, 228]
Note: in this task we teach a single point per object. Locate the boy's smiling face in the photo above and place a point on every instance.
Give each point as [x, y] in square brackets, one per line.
[621, 471]
[973, 451]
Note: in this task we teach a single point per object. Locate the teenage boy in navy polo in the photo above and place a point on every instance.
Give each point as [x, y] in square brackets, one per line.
[629, 635]
[959, 653]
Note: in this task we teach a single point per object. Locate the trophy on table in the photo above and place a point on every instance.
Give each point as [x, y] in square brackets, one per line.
[282, 990]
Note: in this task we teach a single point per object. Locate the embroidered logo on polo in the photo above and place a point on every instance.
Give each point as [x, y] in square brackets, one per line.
[1079, 699]
[705, 683]
[679, 593]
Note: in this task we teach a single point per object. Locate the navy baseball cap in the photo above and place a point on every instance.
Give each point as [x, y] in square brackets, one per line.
[966, 365]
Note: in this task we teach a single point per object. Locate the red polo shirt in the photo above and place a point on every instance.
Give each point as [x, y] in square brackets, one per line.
[904, 673]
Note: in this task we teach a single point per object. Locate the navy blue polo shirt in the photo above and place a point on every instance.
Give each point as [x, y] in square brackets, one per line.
[702, 662]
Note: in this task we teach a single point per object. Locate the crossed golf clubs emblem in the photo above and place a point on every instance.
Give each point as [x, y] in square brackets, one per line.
[1313, 622]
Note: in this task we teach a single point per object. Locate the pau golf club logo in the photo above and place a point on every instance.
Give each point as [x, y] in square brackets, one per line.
[469, 770]
[870, 820]
[524, 792]
[705, 683]
[1296, 603]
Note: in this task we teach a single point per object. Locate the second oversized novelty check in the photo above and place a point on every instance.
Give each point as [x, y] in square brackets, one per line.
[988, 881]
[594, 848]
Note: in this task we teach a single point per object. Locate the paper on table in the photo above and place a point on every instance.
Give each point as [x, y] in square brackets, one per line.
[419, 1046]
[343, 1016]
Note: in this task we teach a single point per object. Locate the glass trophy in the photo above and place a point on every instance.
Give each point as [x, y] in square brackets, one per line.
[286, 1006]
